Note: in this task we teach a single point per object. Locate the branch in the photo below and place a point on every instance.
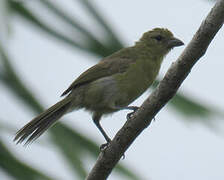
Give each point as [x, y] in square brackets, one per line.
[162, 94]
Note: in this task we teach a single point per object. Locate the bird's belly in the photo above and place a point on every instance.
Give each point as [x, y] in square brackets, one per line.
[101, 95]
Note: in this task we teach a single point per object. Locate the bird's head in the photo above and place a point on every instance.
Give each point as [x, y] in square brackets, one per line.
[160, 39]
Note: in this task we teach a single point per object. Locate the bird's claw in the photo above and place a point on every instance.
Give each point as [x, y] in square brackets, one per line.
[103, 147]
[123, 156]
[129, 115]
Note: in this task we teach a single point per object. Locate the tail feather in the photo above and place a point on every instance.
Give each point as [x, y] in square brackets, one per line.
[41, 123]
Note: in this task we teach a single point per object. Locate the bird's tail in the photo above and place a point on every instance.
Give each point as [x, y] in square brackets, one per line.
[41, 123]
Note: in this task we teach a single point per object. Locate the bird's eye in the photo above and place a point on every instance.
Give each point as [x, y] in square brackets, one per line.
[158, 38]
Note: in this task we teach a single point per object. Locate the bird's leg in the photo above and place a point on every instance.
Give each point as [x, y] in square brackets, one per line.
[96, 119]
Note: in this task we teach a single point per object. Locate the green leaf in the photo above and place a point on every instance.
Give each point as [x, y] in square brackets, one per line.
[73, 152]
[91, 45]
[18, 169]
[113, 41]
[26, 14]
[11, 80]
[190, 108]
[84, 144]
[74, 23]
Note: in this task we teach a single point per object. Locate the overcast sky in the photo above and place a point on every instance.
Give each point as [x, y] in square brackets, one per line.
[170, 148]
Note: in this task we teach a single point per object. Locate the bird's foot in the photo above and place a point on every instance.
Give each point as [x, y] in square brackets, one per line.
[103, 147]
[134, 108]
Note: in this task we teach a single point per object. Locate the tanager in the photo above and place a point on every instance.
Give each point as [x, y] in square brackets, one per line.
[109, 86]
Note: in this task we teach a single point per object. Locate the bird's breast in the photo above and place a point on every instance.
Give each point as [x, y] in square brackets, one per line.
[136, 80]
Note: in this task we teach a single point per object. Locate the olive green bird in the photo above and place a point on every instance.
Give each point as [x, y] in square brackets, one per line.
[109, 86]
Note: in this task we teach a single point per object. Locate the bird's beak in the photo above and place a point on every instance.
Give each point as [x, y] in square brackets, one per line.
[174, 42]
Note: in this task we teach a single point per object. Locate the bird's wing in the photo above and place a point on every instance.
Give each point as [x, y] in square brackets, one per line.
[106, 67]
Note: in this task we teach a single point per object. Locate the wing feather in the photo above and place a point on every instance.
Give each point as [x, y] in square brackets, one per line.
[106, 67]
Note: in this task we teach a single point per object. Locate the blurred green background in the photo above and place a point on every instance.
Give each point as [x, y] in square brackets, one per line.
[45, 45]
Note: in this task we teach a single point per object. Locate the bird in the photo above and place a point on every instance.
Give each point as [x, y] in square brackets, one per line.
[109, 86]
